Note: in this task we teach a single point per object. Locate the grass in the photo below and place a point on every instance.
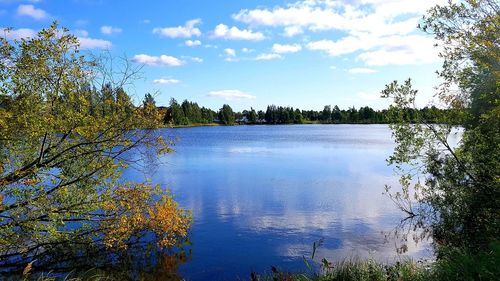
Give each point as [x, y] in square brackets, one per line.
[355, 270]
[455, 264]
[367, 270]
[193, 125]
[371, 271]
[90, 275]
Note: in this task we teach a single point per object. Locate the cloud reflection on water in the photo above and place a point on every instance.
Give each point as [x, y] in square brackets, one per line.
[261, 195]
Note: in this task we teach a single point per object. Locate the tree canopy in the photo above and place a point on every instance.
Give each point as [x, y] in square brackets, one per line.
[67, 129]
[456, 187]
[190, 113]
[226, 115]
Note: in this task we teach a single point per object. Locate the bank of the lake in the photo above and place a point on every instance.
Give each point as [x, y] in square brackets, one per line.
[306, 122]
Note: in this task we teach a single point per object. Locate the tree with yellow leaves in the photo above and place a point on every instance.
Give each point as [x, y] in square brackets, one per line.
[66, 125]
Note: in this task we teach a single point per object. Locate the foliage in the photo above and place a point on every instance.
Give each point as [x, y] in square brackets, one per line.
[460, 264]
[356, 270]
[454, 190]
[163, 267]
[149, 109]
[134, 212]
[190, 113]
[226, 115]
[283, 115]
[252, 116]
[370, 270]
[67, 128]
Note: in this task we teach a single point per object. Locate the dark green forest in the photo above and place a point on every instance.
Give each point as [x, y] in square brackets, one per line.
[190, 113]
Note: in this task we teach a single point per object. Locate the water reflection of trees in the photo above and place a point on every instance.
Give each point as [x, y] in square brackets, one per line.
[160, 266]
[142, 261]
[411, 229]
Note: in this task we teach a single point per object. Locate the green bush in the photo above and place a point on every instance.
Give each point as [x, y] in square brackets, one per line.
[459, 264]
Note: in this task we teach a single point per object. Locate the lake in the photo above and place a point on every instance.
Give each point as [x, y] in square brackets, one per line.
[262, 195]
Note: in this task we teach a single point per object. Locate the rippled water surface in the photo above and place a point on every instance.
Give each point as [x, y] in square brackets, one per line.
[261, 195]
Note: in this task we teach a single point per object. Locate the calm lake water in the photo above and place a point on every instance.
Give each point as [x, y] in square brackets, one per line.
[262, 195]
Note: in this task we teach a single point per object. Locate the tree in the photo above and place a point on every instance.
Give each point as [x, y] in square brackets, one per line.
[177, 114]
[326, 115]
[457, 188]
[226, 115]
[122, 99]
[207, 115]
[107, 99]
[352, 115]
[284, 115]
[261, 115]
[298, 117]
[336, 115]
[252, 116]
[191, 112]
[270, 115]
[61, 157]
[149, 106]
[149, 101]
[367, 114]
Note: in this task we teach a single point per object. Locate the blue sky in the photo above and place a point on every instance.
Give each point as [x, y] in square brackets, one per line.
[250, 53]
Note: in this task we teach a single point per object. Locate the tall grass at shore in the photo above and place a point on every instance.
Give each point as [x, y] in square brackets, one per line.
[455, 265]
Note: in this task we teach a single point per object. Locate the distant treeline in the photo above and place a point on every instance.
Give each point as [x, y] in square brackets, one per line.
[190, 113]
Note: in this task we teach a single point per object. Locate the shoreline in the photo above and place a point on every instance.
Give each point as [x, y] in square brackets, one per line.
[264, 124]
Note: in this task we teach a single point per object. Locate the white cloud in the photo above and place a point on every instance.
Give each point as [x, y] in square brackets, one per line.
[247, 50]
[92, 43]
[192, 43]
[193, 59]
[380, 16]
[291, 31]
[17, 34]
[230, 94]
[268, 56]
[369, 25]
[196, 59]
[382, 50]
[361, 70]
[108, 30]
[230, 52]
[87, 43]
[31, 11]
[166, 81]
[80, 33]
[230, 55]
[284, 49]
[413, 49]
[157, 60]
[345, 45]
[82, 37]
[234, 33]
[295, 17]
[187, 31]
